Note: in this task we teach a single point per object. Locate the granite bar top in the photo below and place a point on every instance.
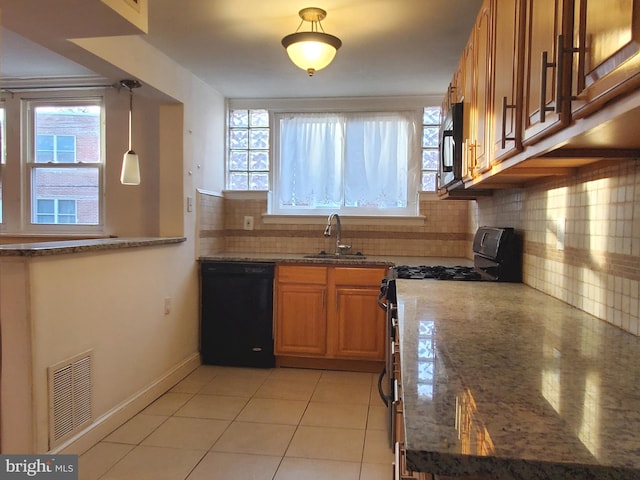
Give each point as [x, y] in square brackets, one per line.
[502, 380]
[38, 249]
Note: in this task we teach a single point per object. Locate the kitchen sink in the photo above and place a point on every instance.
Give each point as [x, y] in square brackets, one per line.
[335, 256]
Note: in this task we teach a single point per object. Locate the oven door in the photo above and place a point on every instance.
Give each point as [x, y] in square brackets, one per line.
[386, 379]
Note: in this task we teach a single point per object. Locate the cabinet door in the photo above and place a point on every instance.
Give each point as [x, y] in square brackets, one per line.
[457, 85]
[482, 103]
[469, 114]
[359, 324]
[508, 69]
[301, 319]
[542, 100]
[607, 61]
[476, 69]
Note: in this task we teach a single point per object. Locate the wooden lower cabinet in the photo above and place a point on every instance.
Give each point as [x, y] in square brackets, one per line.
[301, 310]
[356, 323]
[302, 326]
[329, 312]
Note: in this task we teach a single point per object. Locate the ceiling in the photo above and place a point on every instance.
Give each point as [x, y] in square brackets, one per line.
[390, 47]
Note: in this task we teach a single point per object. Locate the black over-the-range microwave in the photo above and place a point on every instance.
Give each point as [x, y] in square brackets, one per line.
[451, 147]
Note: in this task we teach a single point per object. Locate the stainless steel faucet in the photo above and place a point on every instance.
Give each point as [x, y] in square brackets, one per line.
[340, 248]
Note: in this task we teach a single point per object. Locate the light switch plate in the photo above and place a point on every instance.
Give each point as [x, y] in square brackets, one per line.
[248, 222]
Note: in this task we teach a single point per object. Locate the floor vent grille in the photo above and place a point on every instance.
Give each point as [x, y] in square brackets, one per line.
[70, 397]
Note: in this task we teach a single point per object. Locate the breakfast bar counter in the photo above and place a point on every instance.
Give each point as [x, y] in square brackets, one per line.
[503, 381]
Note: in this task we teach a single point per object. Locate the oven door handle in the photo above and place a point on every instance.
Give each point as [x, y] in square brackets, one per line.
[383, 293]
[383, 305]
[385, 398]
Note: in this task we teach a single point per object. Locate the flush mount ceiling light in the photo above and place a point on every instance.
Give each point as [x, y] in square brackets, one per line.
[313, 50]
[130, 174]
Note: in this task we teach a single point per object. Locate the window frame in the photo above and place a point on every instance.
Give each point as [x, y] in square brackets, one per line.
[55, 150]
[29, 165]
[3, 154]
[413, 180]
[56, 209]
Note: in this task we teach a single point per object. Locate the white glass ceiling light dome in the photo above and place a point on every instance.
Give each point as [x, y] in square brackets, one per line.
[314, 50]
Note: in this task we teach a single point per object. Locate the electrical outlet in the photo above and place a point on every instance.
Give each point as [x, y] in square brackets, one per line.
[248, 222]
[167, 306]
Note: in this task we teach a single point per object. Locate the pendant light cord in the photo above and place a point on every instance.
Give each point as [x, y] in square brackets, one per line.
[130, 114]
[130, 84]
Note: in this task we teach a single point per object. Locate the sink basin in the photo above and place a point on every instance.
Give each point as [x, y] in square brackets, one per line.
[334, 256]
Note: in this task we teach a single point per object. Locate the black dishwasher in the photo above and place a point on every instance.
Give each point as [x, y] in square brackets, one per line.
[237, 314]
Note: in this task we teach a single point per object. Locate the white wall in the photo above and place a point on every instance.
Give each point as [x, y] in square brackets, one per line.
[112, 302]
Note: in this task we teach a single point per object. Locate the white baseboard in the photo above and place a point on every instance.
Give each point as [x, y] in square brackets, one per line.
[120, 414]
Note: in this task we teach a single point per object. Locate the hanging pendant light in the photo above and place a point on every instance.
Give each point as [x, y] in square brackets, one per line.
[313, 50]
[130, 174]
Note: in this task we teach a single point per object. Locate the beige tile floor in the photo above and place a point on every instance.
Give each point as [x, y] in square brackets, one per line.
[252, 424]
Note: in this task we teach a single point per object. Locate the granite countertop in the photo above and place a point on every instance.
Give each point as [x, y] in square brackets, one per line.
[502, 380]
[366, 260]
[38, 249]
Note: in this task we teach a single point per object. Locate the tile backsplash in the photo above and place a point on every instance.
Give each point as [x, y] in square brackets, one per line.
[444, 232]
[581, 235]
[210, 223]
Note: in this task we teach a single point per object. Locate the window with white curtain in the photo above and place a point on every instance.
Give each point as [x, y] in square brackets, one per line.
[353, 163]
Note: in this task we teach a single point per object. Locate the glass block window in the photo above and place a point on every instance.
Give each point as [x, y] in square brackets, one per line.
[248, 158]
[430, 150]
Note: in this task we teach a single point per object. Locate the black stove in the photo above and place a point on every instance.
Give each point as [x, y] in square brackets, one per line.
[497, 257]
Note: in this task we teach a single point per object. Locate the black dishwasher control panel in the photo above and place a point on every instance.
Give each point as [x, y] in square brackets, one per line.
[238, 268]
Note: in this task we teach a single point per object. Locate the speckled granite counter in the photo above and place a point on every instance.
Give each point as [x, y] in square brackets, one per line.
[80, 246]
[373, 260]
[502, 380]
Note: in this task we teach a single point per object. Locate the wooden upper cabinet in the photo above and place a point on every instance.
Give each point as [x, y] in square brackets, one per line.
[456, 88]
[554, 83]
[546, 88]
[605, 51]
[508, 65]
[477, 95]
[483, 94]
[468, 111]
